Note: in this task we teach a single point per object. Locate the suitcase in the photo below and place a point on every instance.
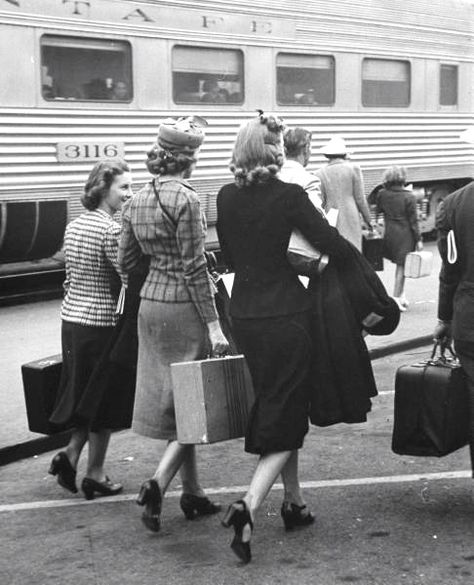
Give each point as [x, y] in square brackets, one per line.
[431, 415]
[372, 249]
[212, 399]
[418, 264]
[40, 385]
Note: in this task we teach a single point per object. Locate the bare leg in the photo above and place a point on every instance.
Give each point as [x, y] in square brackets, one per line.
[268, 469]
[399, 284]
[98, 443]
[289, 475]
[173, 458]
[76, 445]
[189, 474]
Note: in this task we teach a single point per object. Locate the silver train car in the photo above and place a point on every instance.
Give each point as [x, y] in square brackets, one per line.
[86, 79]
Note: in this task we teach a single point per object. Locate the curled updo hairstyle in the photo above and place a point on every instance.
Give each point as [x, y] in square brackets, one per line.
[100, 180]
[162, 161]
[258, 151]
[296, 141]
[394, 176]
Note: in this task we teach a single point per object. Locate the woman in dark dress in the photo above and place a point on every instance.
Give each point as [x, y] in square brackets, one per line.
[270, 311]
[88, 319]
[402, 233]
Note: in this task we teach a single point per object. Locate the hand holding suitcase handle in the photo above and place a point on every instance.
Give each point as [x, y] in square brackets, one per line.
[442, 349]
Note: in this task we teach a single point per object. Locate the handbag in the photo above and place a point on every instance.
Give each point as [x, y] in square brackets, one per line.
[40, 385]
[303, 256]
[418, 264]
[372, 250]
[212, 399]
[431, 416]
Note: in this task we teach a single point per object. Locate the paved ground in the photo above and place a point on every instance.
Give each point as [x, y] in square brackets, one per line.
[381, 519]
[32, 331]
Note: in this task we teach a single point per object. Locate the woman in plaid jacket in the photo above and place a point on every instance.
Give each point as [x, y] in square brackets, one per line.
[88, 318]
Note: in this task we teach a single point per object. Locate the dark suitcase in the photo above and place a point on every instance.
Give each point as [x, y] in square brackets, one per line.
[372, 249]
[40, 385]
[431, 416]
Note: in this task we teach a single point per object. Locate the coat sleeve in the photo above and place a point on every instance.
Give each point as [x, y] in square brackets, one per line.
[224, 246]
[129, 251]
[359, 195]
[412, 215]
[450, 274]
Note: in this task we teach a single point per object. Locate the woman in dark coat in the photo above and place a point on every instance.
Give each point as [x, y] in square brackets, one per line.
[270, 311]
[402, 233]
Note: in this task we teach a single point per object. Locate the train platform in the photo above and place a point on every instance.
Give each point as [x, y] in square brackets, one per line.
[32, 331]
[381, 519]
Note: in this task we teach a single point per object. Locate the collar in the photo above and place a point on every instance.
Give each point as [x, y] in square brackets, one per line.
[337, 161]
[292, 164]
[171, 178]
[102, 212]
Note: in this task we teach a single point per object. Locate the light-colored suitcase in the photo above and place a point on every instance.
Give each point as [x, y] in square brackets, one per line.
[418, 264]
[212, 399]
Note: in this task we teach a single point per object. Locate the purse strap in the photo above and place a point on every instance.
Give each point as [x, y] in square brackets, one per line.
[163, 210]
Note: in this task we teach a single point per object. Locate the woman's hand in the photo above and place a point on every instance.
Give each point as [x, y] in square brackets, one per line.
[219, 343]
[419, 246]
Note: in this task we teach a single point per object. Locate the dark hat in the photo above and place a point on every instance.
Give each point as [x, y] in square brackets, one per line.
[182, 135]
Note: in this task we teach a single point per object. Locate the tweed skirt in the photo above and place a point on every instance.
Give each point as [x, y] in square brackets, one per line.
[167, 333]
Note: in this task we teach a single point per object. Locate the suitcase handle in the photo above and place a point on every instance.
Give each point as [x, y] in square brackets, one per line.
[442, 357]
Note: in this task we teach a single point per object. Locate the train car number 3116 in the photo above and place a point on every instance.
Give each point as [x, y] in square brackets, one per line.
[88, 151]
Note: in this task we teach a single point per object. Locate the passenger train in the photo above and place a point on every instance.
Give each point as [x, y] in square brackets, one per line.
[85, 79]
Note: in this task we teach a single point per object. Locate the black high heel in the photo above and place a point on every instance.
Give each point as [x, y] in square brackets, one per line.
[150, 497]
[65, 472]
[194, 506]
[293, 515]
[104, 488]
[238, 516]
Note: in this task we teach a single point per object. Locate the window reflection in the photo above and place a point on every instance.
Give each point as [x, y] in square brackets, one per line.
[385, 82]
[85, 69]
[448, 85]
[305, 79]
[212, 76]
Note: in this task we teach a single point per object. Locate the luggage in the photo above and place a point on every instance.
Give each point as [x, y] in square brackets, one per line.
[212, 399]
[431, 415]
[40, 385]
[372, 249]
[418, 264]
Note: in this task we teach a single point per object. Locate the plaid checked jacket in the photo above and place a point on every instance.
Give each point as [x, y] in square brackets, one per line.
[175, 244]
[90, 246]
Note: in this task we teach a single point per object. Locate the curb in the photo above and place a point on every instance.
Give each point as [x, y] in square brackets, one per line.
[14, 453]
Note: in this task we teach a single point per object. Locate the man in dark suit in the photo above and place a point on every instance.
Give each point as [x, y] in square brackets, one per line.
[456, 284]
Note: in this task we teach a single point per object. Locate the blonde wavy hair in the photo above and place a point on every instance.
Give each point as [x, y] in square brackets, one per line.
[258, 150]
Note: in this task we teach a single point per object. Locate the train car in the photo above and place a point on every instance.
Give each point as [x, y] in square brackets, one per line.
[85, 79]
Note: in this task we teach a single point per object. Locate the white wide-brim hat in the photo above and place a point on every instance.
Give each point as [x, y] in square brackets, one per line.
[335, 146]
[467, 135]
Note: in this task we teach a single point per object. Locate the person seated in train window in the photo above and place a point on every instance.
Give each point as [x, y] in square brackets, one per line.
[224, 94]
[308, 98]
[212, 93]
[120, 92]
[235, 98]
[96, 89]
[48, 92]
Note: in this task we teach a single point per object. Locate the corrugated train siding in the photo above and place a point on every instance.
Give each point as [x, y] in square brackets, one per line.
[428, 144]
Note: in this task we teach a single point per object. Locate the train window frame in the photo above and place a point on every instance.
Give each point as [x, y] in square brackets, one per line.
[454, 66]
[241, 73]
[85, 42]
[405, 62]
[329, 56]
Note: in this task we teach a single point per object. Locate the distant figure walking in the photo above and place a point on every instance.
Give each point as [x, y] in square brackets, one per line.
[88, 319]
[402, 233]
[297, 142]
[342, 188]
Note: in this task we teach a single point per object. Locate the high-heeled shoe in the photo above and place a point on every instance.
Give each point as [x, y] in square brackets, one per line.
[238, 516]
[65, 472]
[104, 488]
[294, 515]
[194, 506]
[150, 497]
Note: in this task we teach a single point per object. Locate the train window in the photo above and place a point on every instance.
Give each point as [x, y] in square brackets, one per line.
[385, 83]
[448, 85]
[85, 69]
[207, 75]
[305, 79]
